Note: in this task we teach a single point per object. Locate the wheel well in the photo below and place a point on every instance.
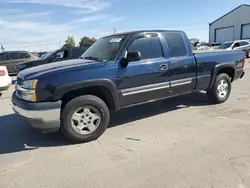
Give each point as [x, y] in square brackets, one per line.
[227, 70]
[98, 91]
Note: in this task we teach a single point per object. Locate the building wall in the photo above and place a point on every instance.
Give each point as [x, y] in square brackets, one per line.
[237, 18]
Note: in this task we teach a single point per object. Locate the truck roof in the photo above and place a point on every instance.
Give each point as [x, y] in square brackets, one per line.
[144, 31]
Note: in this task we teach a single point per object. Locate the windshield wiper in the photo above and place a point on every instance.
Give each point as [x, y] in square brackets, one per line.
[92, 58]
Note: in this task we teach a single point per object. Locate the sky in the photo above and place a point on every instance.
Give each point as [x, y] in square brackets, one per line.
[43, 25]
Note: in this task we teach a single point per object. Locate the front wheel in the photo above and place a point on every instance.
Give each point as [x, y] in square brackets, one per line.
[221, 89]
[84, 118]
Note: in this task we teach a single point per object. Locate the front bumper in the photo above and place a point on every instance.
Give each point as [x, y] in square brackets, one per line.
[4, 88]
[44, 115]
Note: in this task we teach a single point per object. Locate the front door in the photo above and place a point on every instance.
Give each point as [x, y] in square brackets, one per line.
[4, 59]
[148, 78]
[182, 64]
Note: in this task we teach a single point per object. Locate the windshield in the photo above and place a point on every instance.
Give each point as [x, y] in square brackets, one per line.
[105, 49]
[225, 45]
[45, 56]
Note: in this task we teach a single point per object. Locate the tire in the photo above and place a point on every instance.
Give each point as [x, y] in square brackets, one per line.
[214, 94]
[69, 124]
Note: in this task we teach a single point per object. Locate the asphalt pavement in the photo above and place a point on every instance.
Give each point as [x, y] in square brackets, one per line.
[183, 142]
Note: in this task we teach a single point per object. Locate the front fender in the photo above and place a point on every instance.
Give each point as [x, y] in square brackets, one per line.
[106, 83]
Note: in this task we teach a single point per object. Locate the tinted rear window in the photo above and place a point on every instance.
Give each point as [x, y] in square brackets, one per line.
[25, 55]
[176, 45]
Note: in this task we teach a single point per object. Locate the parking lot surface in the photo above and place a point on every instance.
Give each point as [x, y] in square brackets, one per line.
[180, 142]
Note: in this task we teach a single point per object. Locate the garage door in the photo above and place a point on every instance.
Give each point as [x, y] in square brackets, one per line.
[224, 34]
[246, 31]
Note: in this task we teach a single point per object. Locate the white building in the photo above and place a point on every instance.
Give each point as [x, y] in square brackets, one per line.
[234, 25]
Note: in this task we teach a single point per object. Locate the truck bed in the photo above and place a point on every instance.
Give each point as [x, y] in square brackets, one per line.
[212, 51]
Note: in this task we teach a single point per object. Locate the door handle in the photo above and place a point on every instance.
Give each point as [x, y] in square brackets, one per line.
[164, 67]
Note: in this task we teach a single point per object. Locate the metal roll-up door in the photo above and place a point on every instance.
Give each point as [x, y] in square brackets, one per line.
[245, 31]
[224, 34]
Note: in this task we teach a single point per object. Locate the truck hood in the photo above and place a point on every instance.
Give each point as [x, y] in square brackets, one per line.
[57, 67]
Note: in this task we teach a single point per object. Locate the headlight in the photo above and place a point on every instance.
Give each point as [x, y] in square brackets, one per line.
[30, 84]
[28, 90]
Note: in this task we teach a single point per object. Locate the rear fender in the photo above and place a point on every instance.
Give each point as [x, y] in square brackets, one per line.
[218, 68]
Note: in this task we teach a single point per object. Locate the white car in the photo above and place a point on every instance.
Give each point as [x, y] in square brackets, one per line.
[243, 45]
[5, 79]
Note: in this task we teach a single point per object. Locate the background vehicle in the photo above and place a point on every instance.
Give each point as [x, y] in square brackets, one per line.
[202, 46]
[11, 58]
[120, 71]
[40, 54]
[243, 45]
[214, 44]
[5, 79]
[59, 55]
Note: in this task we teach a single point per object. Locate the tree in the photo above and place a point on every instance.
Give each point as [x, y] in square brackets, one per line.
[86, 41]
[194, 41]
[69, 43]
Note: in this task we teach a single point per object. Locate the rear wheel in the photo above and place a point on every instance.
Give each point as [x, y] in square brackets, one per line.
[84, 118]
[221, 89]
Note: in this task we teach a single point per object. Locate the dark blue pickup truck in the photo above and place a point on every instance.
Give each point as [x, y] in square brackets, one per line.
[120, 71]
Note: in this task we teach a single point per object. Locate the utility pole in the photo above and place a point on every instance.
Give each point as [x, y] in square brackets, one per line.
[2, 48]
[114, 31]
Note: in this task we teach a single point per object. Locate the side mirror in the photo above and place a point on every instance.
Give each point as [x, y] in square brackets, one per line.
[54, 58]
[133, 56]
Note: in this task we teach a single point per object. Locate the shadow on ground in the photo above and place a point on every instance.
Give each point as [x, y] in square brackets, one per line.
[16, 135]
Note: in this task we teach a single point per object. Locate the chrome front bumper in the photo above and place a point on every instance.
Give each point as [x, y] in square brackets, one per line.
[39, 115]
[43, 115]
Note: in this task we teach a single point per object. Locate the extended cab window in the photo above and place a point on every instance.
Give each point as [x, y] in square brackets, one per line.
[25, 55]
[176, 45]
[149, 47]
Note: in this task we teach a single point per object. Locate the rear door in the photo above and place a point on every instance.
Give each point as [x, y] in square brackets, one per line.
[14, 59]
[147, 79]
[182, 64]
